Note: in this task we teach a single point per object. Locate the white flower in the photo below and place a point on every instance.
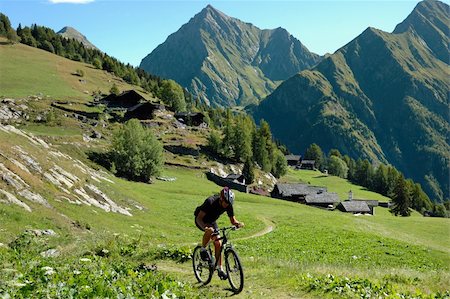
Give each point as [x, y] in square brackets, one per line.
[48, 270]
[85, 260]
[76, 272]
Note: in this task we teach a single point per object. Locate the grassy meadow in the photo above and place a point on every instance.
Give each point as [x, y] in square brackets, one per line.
[48, 75]
[310, 252]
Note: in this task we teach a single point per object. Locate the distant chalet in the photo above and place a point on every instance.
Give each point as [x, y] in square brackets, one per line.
[191, 118]
[308, 164]
[306, 194]
[293, 160]
[135, 104]
[354, 206]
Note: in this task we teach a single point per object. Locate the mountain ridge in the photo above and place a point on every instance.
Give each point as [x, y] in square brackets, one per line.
[391, 93]
[227, 62]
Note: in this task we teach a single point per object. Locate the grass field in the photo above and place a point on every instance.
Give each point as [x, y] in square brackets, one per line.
[306, 247]
[49, 75]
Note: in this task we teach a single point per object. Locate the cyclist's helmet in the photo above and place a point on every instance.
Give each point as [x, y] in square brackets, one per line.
[227, 195]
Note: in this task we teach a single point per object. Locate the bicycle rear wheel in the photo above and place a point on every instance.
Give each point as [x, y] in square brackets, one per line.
[234, 270]
[202, 271]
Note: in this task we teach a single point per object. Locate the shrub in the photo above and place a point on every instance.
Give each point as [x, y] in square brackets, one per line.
[79, 73]
[136, 153]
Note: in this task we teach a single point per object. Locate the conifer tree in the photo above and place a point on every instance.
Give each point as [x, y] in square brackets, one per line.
[248, 171]
[401, 198]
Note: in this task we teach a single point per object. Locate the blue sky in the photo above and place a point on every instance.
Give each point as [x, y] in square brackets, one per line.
[129, 30]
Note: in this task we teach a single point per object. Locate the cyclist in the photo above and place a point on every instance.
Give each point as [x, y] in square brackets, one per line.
[205, 219]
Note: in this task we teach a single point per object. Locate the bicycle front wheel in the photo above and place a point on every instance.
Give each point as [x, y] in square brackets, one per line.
[234, 270]
[202, 271]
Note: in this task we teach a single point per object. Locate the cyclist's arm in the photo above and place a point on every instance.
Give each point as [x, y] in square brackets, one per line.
[235, 222]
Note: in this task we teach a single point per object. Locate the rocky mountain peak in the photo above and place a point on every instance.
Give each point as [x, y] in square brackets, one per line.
[70, 32]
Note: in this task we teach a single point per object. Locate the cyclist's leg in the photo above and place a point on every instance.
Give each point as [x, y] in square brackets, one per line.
[217, 245]
[208, 230]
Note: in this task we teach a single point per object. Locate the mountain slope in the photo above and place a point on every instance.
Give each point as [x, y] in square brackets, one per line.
[69, 32]
[227, 62]
[382, 96]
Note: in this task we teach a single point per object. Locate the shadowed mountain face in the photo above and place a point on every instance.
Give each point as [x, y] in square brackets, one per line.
[383, 96]
[227, 62]
[69, 32]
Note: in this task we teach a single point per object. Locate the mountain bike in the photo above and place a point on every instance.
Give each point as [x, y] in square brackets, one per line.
[204, 270]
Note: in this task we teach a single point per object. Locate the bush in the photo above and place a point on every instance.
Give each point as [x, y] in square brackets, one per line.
[337, 167]
[79, 73]
[136, 153]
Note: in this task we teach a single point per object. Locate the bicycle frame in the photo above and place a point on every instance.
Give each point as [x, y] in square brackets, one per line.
[224, 238]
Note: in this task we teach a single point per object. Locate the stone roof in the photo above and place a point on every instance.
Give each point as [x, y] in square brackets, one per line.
[234, 176]
[355, 206]
[298, 189]
[293, 157]
[322, 198]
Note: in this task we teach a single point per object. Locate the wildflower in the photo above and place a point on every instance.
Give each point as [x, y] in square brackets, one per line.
[48, 270]
[85, 260]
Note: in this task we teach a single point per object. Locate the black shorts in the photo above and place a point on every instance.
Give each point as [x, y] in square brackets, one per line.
[213, 224]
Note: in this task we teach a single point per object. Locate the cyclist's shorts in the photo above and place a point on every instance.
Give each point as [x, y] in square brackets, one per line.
[213, 224]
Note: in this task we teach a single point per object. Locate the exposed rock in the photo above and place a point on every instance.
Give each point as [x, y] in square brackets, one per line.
[28, 159]
[12, 199]
[42, 232]
[20, 165]
[166, 179]
[100, 196]
[50, 253]
[11, 178]
[37, 198]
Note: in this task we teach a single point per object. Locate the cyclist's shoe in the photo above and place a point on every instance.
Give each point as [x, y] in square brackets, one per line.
[204, 254]
[222, 274]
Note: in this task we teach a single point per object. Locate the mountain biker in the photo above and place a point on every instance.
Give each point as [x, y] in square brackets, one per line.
[205, 219]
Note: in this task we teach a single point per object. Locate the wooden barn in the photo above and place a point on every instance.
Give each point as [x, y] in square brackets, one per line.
[226, 182]
[126, 99]
[191, 118]
[143, 111]
[295, 192]
[323, 200]
[293, 160]
[308, 164]
[235, 177]
[354, 206]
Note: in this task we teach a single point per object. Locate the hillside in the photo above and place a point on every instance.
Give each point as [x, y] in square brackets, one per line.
[226, 62]
[71, 228]
[50, 75]
[383, 96]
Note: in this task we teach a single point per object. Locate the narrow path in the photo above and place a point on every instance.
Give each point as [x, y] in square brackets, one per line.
[268, 229]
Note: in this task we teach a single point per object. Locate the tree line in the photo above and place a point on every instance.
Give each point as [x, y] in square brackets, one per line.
[236, 137]
[384, 179]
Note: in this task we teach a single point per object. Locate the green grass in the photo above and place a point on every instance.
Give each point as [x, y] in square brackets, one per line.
[307, 245]
[49, 75]
[43, 130]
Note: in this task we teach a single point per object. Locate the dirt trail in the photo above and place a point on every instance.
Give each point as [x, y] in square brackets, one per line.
[270, 226]
[268, 229]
